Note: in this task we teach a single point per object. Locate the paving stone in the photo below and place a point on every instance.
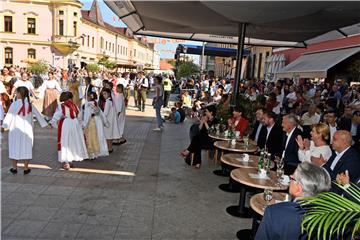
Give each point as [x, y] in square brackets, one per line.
[60, 231]
[38, 213]
[24, 229]
[97, 232]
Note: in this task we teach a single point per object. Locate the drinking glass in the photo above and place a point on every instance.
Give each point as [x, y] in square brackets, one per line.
[268, 196]
[246, 141]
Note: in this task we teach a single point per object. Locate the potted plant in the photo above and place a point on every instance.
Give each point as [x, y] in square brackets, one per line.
[330, 216]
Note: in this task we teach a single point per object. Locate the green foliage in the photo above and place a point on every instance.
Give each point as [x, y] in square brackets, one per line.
[354, 70]
[38, 68]
[92, 67]
[329, 214]
[187, 68]
[249, 108]
[107, 63]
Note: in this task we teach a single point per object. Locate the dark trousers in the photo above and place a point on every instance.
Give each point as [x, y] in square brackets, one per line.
[199, 142]
[166, 98]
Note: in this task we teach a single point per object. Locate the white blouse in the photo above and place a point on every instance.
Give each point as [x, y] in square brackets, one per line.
[305, 155]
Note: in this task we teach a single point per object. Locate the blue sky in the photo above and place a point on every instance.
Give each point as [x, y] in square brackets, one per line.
[166, 50]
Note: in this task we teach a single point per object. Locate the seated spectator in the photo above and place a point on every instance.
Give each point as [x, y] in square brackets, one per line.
[283, 220]
[308, 119]
[238, 122]
[273, 134]
[201, 140]
[352, 125]
[181, 111]
[174, 116]
[258, 125]
[186, 99]
[344, 158]
[316, 151]
[330, 119]
[291, 148]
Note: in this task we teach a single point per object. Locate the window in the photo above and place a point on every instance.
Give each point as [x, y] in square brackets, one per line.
[101, 42]
[61, 27]
[32, 53]
[106, 45]
[88, 41]
[8, 56]
[83, 41]
[75, 29]
[31, 25]
[75, 14]
[113, 47]
[134, 52]
[92, 42]
[118, 49]
[8, 26]
[130, 53]
[61, 12]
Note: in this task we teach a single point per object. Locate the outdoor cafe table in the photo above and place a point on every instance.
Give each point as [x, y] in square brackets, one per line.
[258, 204]
[232, 161]
[249, 183]
[219, 136]
[226, 146]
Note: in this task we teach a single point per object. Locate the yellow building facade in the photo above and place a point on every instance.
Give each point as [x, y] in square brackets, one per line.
[60, 33]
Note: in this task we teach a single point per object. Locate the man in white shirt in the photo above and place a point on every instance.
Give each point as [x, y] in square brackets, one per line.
[143, 87]
[311, 117]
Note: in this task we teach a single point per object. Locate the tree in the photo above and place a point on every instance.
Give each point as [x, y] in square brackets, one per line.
[187, 68]
[38, 68]
[354, 70]
[107, 63]
[92, 67]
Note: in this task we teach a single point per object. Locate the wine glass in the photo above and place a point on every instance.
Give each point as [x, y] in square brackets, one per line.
[279, 169]
[268, 196]
[246, 140]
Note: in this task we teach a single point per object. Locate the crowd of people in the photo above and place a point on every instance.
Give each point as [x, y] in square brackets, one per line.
[313, 127]
[88, 109]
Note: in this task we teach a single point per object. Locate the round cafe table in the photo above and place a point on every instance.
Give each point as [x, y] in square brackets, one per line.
[226, 146]
[258, 204]
[250, 182]
[231, 161]
[220, 136]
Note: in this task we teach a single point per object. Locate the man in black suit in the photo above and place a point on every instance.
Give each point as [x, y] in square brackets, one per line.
[274, 134]
[283, 220]
[345, 158]
[290, 146]
[258, 126]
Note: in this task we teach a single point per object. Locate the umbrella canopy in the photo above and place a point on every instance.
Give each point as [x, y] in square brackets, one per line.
[283, 23]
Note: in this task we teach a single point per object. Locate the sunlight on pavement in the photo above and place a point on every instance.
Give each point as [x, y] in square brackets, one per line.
[38, 166]
[100, 171]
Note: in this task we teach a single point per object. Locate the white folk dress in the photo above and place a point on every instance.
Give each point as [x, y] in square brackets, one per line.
[120, 111]
[19, 121]
[71, 142]
[112, 131]
[93, 123]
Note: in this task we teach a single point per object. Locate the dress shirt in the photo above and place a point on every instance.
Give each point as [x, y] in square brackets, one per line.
[268, 131]
[258, 132]
[332, 131]
[337, 158]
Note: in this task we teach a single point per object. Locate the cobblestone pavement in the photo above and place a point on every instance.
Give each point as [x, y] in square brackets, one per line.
[142, 191]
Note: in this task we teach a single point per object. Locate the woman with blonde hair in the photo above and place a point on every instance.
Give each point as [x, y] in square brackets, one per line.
[316, 151]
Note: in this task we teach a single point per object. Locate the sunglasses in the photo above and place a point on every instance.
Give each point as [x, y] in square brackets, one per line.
[292, 179]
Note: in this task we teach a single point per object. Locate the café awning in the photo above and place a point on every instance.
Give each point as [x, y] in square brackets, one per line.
[316, 65]
[285, 23]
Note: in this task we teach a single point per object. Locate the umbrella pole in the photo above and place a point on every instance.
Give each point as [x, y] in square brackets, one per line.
[239, 56]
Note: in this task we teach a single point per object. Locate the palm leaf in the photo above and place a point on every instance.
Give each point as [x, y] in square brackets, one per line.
[329, 213]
